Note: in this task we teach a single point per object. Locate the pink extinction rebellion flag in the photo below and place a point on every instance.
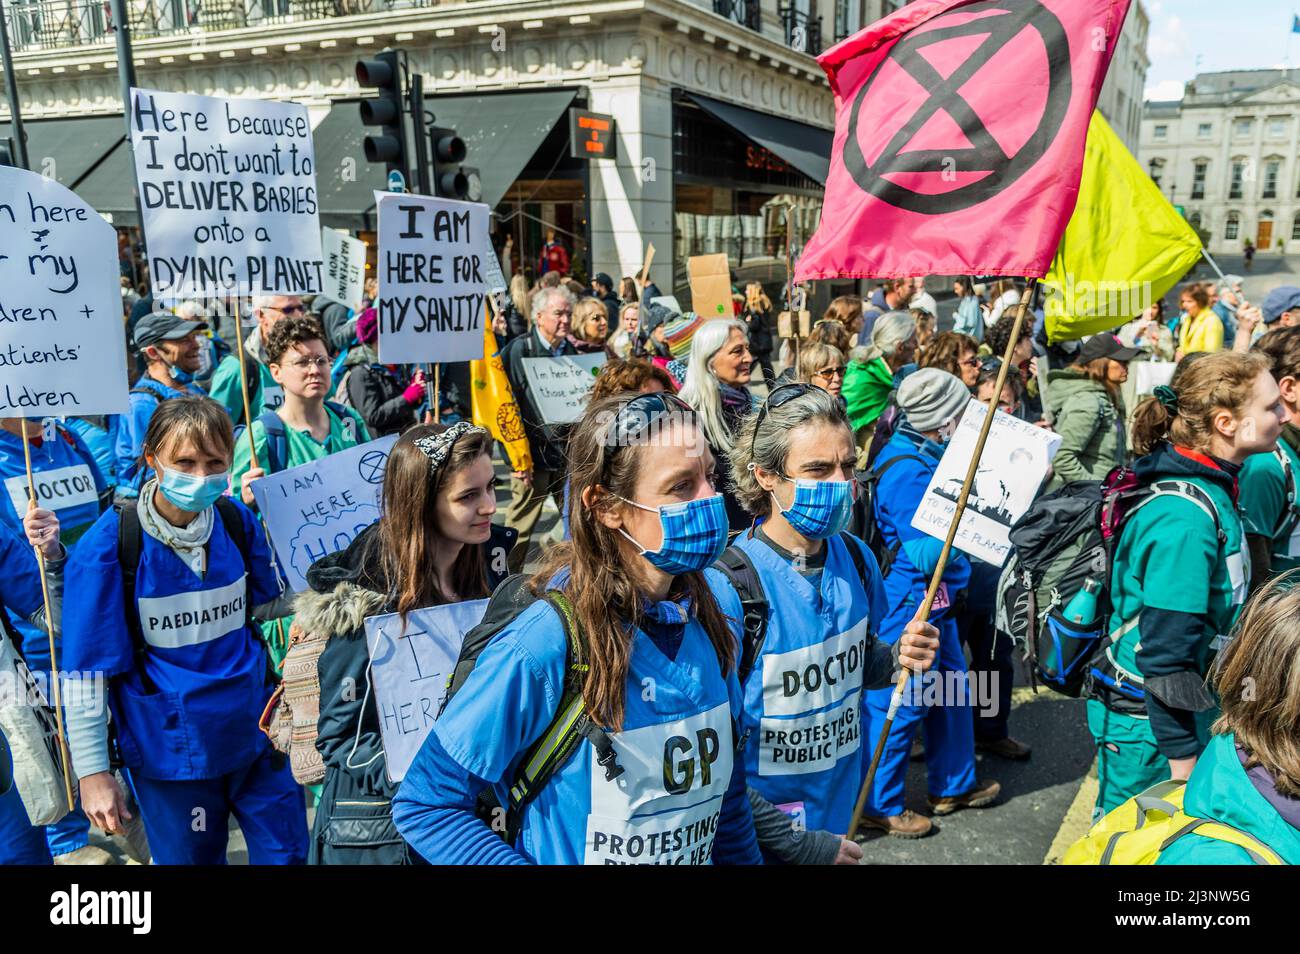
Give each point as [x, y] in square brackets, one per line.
[959, 135]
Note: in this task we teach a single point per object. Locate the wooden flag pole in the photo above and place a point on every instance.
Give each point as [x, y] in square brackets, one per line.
[243, 390]
[923, 612]
[437, 394]
[49, 626]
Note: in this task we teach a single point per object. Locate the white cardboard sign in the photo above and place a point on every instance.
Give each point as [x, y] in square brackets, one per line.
[345, 267]
[559, 386]
[409, 670]
[228, 193]
[432, 278]
[1013, 465]
[318, 508]
[62, 350]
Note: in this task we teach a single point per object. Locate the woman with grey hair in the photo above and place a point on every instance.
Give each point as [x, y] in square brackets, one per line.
[877, 370]
[793, 470]
[717, 388]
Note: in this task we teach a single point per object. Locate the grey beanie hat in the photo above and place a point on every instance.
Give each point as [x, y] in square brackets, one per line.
[930, 398]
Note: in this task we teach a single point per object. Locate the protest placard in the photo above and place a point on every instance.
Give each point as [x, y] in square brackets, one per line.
[1147, 375]
[710, 280]
[1013, 465]
[410, 666]
[559, 386]
[228, 193]
[345, 267]
[318, 508]
[61, 345]
[432, 278]
[497, 286]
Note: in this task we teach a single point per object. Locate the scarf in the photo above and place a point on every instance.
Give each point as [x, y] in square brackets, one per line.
[189, 543]
[866, 390]
[737, 403]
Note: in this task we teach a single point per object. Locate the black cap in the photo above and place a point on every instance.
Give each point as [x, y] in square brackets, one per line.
[1106, 345]
[163, 326]
[603, 279]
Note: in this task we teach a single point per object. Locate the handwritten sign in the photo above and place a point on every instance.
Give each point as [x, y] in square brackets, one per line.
[61, 345]
[497, 286]
[228, 192]
[432, 278]
[559, 386]
[410, 667]
[1013, 465]
[318, 508]
[345, 267]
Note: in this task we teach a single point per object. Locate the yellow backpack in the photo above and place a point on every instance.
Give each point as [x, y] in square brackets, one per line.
[1137, 832]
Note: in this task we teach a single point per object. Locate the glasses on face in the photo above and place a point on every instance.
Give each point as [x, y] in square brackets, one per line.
[971, 362]
[779, 396]
[287, 310]
[304, 364]
[829, 373]
[638, 414]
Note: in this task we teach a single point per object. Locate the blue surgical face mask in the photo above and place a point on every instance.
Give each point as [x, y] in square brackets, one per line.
[180, 375]
[695, 534]
[820, 509]
[190, 493]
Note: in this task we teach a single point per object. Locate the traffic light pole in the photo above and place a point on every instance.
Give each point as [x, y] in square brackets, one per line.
[126, 76]
[11, 87]
[423, 179]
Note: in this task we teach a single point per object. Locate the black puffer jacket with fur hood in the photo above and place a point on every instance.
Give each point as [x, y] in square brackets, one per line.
[354, 822]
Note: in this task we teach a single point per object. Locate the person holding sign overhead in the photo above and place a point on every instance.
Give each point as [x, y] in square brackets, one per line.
[160, 602]
[173, 354]
[552, 309]
[306, 427]
[435, 544]
[660, 780]
[264, 392]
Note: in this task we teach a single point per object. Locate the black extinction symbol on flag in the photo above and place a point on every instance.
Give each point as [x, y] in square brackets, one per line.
[1006, 20]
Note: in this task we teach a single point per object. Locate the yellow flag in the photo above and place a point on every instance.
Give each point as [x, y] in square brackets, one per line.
[494, 404]
[1125, 245]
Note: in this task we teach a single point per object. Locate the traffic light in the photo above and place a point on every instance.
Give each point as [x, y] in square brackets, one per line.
[447, 153]
[385, 110]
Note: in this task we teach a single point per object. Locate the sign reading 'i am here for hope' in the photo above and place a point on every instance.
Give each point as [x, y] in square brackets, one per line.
[228, 191]
[61, 347]
[432, 278]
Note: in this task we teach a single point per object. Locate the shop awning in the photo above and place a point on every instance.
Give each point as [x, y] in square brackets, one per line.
[501, 133]
[807, 148]
[89, 156]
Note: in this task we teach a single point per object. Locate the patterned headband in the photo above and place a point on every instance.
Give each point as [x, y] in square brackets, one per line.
[439, 446]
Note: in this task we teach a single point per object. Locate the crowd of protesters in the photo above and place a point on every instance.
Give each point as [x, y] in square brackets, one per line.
[717, 466]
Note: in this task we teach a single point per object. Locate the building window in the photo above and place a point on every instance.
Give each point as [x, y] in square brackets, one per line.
[1272, 171]
[744, 12]
[1194, 220]
[1277, 127]
[1233, 228]
[848, 18]
[1243, 127]
[1157, 170]
[1238, 175]
[1203, 130]
[1295, 228]
[1162, 132]
[1200, 169]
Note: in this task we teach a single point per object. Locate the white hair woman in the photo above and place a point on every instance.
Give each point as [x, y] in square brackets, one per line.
[874, 371]
[717, 388]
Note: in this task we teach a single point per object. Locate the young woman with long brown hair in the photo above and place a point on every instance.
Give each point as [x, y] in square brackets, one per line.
[659, 781]
[1180, 570]
[434, 544]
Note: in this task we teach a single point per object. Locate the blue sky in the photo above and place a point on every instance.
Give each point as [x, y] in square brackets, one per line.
[1223, 34]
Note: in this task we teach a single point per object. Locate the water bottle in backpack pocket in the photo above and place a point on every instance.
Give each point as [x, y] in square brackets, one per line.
[1068, 638]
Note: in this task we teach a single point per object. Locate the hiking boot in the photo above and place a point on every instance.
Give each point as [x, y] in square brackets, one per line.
[982, 794]
[85, 855]
[1007, 748]
[907, 825]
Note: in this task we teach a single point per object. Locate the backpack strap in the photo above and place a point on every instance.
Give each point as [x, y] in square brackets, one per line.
[740, 571]
[1291, 517]
[277, 441]
[857, 550]
[1188, 491]
[567, 730]
[1259, 852]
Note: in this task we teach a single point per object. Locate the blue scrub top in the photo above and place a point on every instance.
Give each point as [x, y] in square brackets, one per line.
[803, 700]
[20, 577]
[194, 714]
[676, 747]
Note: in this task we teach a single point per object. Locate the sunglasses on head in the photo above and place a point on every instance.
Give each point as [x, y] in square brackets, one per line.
[637, 415]
[779, 396]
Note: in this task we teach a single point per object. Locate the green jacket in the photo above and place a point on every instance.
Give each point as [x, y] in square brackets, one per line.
[1091, 429]
[1220, 791]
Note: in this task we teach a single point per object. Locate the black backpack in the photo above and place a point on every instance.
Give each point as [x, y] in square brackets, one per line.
[130, 541]
[863, 524]
[571, 724]
[740, 571]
